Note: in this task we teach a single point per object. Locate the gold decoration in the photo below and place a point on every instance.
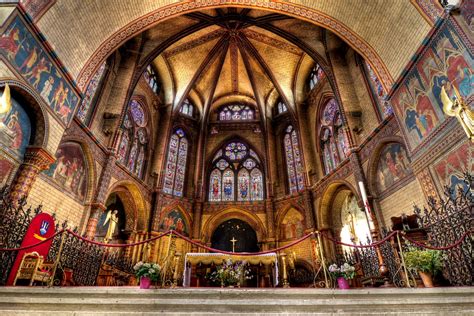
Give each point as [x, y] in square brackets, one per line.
[460, 110]
[5, 100]
[112, 216]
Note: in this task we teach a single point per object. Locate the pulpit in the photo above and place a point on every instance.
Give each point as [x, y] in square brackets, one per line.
[267, 261]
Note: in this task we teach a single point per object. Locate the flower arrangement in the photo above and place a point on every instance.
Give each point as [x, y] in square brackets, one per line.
[230, 273]
[345, 271]
[148, 270]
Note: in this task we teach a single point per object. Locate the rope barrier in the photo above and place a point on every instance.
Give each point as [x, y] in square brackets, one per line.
[242, 253]
[422, 245]
[118, 245]
[375, 244]
[34, 245]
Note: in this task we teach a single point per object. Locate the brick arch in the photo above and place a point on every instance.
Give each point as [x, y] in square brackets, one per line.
[298, 11]
[281, 216]
[35, 108]
[233, 212]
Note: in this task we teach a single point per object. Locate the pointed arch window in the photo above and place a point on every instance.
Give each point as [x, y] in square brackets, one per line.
[176, 163]
[187, 108]
[85, 110]
[236, 174]
[294, 163]
[152, 79]
[377, 90]
[315, 76]
[333, 138]
[282, 108]
[236, 112]
[133, 145]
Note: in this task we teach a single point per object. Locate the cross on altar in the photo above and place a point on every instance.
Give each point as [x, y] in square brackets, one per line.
[233, 241]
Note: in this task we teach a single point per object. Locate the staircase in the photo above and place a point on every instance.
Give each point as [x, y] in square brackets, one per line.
[82, 301]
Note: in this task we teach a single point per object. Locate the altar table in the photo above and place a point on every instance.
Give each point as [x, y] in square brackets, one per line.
[217, 259]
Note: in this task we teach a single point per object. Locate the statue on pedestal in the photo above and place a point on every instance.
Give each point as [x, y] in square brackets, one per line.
[112, 216]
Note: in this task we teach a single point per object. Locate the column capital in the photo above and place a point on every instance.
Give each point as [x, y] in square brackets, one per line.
[38, 157]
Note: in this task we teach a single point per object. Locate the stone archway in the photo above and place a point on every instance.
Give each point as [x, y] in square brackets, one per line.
[235, 235]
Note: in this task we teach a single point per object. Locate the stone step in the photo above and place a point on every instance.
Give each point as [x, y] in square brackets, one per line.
[204, 301]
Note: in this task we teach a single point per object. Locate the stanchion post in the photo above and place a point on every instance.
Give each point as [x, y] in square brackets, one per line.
[323, 260]
[402, 258]
[286, 284]
[175, 273]
[58, 258]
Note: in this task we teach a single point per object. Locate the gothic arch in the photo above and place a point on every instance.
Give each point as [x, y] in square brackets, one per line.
[178, 206]
[325, 216]
[282, 214]
[233, 212]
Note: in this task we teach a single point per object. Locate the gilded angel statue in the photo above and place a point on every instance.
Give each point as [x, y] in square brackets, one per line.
[113, 218]
[460, 110]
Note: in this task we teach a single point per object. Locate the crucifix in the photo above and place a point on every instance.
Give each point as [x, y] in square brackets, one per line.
[233, 241]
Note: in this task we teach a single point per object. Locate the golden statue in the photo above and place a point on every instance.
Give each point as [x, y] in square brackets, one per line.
[5, 100]
[112, 216]
[460, 110]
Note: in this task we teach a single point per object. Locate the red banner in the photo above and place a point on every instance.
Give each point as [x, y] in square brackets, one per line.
[41, 227]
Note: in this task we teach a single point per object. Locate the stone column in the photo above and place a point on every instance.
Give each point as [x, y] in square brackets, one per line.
[36, 159]
[98, 204]
[197, 214]
[270, 213]
[308, 210]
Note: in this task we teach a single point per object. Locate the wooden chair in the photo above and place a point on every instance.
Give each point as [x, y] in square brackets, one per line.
[33, 268]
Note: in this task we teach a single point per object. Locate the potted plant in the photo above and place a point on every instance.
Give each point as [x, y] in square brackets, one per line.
[230, 274]
[426, 262]
[147, 272]
[342, 274]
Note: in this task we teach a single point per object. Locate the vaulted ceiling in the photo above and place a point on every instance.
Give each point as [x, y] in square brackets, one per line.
[242, 56]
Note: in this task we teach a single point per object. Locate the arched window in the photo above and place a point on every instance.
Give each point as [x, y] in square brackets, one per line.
[294, 163]
[133, 144]
[236, 113]
[176, 163]
[333, 139]
[85, 110]
[282, 108]
[187, 108]
[236, 174]
[315, 76]
[152, 79]
[377, 91]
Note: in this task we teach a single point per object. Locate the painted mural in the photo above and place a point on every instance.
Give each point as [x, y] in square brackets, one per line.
[446, 61]
[15, 129]
[174, 219]
[292, 225]
[6, 170]
[450, 169]
[393, 166]
[69, 170]
[24, 52]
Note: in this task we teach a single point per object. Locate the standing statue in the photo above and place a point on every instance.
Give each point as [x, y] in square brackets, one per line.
[460, 110]
[112, 216]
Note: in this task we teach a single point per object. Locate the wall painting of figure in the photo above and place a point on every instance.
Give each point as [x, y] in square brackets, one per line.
[392, 167]
[174, 219]
[69, 170]
[292, 225]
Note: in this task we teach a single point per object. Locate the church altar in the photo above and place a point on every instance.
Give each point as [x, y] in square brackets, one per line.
[193, 259]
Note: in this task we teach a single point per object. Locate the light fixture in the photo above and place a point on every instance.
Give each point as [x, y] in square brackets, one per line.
[459, 109]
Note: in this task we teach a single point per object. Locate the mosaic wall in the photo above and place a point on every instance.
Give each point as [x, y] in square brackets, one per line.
[445, 62]
[29, 58]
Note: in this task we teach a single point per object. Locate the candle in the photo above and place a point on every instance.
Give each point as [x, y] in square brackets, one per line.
[366, 205]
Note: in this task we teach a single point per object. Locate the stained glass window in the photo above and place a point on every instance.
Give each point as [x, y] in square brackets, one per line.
[236, 169]
[282, 107]
[378, 91]
[187, 108]
[315, 76]
[133, 144]
[151, 78]
[333, 138]
[293, 160]
[236, 113]
[85, 110]
[176, 164]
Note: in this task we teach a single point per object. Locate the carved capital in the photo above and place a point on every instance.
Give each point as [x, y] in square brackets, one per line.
[38, 157]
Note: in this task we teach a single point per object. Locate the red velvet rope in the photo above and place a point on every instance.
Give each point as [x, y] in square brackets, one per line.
[375, 244]
[241, 253]
[422, 245]
[117, 245]
[34, 245]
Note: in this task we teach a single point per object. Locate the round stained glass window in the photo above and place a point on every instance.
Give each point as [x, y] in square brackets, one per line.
[137, 112]
[235, 151]
[142, 136]
[249, 164]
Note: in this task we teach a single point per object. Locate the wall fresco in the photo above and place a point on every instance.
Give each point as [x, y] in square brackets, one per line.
[392, 167]
[29, 58]
[174, 219]
[292, 225]
[446, 61]
[15, 130]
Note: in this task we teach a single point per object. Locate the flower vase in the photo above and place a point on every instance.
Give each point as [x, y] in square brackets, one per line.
[426, 278]
[145, 282]
[342, 283]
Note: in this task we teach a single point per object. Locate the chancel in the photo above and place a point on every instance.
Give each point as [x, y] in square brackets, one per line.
[207, 146]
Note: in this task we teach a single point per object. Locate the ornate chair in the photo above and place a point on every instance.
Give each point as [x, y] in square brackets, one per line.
[34, 269]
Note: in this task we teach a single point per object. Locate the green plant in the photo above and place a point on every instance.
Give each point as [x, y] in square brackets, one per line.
[429, 261]
[146, 269]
